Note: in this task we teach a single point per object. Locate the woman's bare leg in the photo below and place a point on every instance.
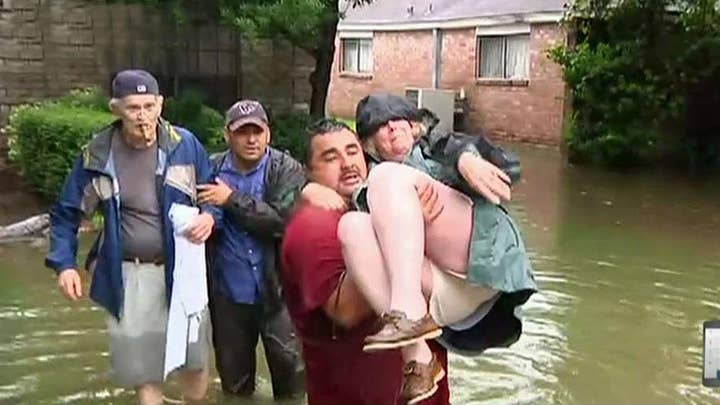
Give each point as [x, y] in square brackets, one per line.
[403, 237]
[448, 237]
[397, 218]
[366, 267]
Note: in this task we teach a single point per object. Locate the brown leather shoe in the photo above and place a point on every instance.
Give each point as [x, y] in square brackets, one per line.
[398, 331]
[420, 381]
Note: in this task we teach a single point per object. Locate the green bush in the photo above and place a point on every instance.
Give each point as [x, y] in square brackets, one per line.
[188, 111]
[644, 82]
[90, 97]
[289, 131]
[619, 107]
[45, 139]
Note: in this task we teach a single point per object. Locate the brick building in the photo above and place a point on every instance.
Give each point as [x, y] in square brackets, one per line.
[491, 53]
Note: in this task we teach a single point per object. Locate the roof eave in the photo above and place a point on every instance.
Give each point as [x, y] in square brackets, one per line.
[465, 22]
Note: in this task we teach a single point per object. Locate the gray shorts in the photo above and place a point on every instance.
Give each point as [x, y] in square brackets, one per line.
[137, 342]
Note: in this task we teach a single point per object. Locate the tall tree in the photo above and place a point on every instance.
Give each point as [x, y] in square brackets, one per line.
[310, 25]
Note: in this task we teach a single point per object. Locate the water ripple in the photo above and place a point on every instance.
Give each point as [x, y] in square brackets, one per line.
[23, 386]
[99, 395]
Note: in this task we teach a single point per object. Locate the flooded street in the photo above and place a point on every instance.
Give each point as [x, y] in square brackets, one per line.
[628, 264]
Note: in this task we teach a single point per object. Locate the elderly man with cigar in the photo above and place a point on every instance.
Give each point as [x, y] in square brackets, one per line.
[133, 172]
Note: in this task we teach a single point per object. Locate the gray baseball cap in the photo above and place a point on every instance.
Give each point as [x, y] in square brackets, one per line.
[135, 81]
[245, 112]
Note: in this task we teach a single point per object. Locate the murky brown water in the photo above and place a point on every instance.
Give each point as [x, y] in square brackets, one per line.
[628, 264]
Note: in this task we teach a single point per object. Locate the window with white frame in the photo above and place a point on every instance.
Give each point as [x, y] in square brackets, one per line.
[503, 56]
[357, 55]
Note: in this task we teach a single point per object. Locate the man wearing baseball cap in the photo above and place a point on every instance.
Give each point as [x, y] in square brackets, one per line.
[132, 172]
[254, 183]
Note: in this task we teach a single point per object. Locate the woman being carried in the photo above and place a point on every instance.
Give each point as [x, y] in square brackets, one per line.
[466, 257]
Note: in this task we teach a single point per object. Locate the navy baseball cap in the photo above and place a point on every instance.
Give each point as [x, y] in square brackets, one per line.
[245, 112]
[136, 81]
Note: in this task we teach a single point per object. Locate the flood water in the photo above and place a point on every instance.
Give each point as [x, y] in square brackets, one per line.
[628, 264]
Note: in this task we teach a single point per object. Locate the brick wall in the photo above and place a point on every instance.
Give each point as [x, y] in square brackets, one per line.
[48, 47]
[393, 70]
[532, 112]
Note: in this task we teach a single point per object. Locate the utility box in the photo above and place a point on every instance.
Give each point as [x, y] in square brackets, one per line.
[441, 102]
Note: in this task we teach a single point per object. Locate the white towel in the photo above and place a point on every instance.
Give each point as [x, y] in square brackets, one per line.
[189, 292]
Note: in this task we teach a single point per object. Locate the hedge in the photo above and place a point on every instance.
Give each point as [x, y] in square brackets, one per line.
[188, 111]
[644, 82]
[288, 133]
[45, 139]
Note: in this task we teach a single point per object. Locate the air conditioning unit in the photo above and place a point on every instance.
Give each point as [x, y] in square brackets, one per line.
[441, 102]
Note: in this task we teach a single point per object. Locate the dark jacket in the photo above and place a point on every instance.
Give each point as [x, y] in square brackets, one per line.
[92, 185]
[264, 219]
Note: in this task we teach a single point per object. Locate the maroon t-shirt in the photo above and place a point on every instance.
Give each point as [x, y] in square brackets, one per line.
[337, 370]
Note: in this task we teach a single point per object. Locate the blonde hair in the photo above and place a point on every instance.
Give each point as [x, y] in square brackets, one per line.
[418, 129]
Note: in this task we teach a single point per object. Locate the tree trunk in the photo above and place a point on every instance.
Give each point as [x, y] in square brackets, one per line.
[33, 226]
[320, 77]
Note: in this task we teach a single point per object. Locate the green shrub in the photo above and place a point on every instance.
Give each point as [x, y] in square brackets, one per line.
[619, 106]
[45, 139]
[90, 97]
[289, 131]
[644, 82]
[188, 111]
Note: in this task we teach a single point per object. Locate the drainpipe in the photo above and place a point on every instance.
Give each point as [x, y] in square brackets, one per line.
[437, 57]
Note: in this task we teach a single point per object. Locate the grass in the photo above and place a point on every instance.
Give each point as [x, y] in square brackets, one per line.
[348, 121]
